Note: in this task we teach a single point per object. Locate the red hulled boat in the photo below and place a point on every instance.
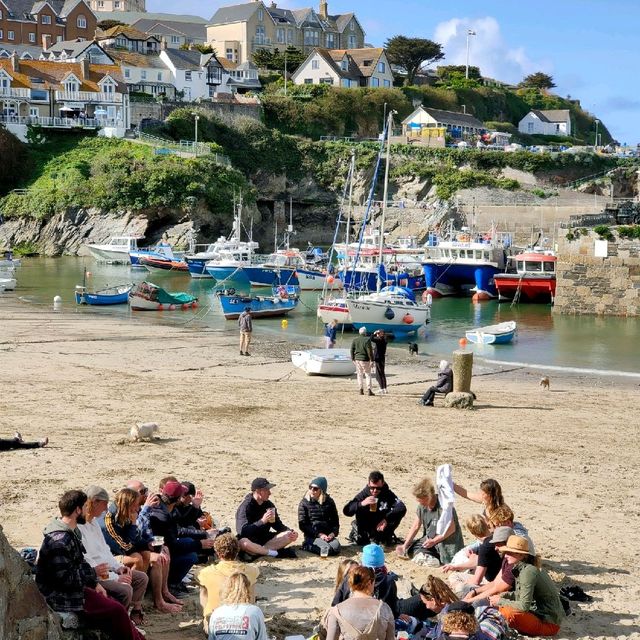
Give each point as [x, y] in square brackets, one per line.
[533, 281]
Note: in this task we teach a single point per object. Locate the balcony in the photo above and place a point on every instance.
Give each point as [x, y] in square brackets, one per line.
[62, 123]
[8, 92]
[88, 96]
[261, 43]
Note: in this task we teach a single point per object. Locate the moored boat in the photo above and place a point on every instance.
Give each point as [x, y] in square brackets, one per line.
[501, 333]
[162, 250]
[534, 280]
[261, 306]
[147, 296]
[118, 294]
[324, 362]
[153, 263]
[116, 250]
[332, 308]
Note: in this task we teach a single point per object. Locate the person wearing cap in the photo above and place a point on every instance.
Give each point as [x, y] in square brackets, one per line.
[444, 384]
[318, 519]
[67, 581]
[385, 588]
[534, 606]
[183, 550]
[260, 530]
[377, 510]
[246, 328]
[362, 356]
[363, 615]
[125, 585]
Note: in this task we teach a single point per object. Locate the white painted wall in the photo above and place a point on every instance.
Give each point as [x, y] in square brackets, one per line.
[306, 71]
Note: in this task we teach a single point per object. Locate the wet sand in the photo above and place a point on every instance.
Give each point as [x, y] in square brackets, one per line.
[567, 458]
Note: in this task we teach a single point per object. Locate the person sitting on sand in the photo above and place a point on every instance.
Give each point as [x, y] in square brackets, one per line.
[534, 606]
[212, 577]
[67, 582]
[132, 546]
[431, 549]
[362, 616]
[237, 618]
[318, 519]
[503, 516]
[377, 510]
[444, 384]
[18, 443]
[385, 588]
[125, 585]
[258, 524]
[490, 494]
[460, 622]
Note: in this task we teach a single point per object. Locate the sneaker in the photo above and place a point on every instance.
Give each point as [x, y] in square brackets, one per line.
[371, 393]
[178, 590]
[242, 353]
[68, 620]
[287, 553]
[246, 353]
[361, 392]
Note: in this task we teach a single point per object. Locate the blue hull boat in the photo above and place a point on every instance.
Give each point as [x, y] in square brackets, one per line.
[269, 276]
[440, 279]
[368, 280]
[111, 295]
[221, 273]
[261, 306]
[495, 334]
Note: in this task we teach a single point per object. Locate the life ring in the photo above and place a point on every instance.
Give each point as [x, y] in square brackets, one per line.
[464, 238]
[282, 292]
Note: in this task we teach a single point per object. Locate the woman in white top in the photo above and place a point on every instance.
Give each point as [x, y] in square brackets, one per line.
[237, 618]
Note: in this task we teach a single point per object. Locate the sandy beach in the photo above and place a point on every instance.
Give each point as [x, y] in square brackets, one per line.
[567, 459]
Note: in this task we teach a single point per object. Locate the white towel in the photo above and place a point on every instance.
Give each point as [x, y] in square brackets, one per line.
[446, 497]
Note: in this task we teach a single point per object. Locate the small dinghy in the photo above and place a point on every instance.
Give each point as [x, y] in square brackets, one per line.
[494, 334]
[324, 362]
[261, 306]
[118, 294]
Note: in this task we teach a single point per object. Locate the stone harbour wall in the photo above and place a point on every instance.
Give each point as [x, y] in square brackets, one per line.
[590, 285]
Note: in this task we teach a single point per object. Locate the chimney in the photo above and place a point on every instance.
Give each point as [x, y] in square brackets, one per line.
[46, 41]
[84, 67]
[274, 5]
[15, 63]
[163, 44]
[324, 10]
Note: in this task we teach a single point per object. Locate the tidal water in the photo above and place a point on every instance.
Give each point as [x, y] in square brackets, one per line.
[585, 343]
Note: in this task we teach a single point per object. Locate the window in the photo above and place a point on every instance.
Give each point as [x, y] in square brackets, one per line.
[352, 26]
[382, 67]
[345, 82]
[116, 5]
[1, 34]
[260, 32]
[175, 39]
[331, 40]
[159, 76]
[58, 38]
[70, 86]
[353, 42]
[46, 19]
[280, 35]
[387, 83]
[260, 14]
[187, 76]
[229, 55]
[375, 82]
[4, 83]
[311, 37]
[32, 37]
[82, 22]
[315, 64]
[326, 80]
[344, 65]
[100, 4]
[289, 36]
[143, 74]
[127, 73]
[34, 112]
[308, 80]
[529, 127]
[11, 35]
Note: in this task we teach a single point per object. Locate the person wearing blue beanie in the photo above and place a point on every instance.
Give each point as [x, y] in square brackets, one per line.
[318, 519]
[373, 556]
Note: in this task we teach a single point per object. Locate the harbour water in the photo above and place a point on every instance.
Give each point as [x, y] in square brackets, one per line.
[586, 343]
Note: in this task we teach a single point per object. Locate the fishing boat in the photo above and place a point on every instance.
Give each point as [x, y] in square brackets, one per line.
[324, 362]
[229, 263]
[147, 296]
[261, 306]
[494, 334]
[8, 261]
[116, 251]
[152, 263]
[534, 279]
[118, 294]
[7, 282]
[162, 250]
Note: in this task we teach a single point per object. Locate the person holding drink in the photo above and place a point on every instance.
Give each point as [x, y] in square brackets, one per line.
[318, 520]
[260, 530]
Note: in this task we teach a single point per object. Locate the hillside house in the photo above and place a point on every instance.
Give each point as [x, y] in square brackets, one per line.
[368, 67]
[551, 122]
[116, 5]
[173, 34]
[144, 73]
[195, 75]
[129, 39]
[457, 125]
[76, 51]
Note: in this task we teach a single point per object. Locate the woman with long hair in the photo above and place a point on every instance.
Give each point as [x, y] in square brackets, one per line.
[361, 616]
[237, 618]
[318, 519]
[489, 495]
[133, 548]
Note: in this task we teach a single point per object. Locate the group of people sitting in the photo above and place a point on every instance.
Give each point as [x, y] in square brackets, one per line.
[99, 556]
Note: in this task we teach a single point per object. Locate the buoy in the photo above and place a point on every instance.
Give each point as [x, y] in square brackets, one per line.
[284, 324]
[172, 307]
[462, 342]
[389, 314]
[89, 274]
[185, 306]
[57, 303]
[330, 279]
[194, 304]
[408, 319]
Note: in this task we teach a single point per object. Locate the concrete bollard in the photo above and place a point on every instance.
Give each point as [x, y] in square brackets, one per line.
[462, 371]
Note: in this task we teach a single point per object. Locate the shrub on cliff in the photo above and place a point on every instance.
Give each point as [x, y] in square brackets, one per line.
[14, 158]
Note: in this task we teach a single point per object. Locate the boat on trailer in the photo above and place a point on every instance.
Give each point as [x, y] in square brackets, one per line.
[118, 294]
[501, 333]
[324, 362]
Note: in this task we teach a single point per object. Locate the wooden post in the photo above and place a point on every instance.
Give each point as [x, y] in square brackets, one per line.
[462, 371]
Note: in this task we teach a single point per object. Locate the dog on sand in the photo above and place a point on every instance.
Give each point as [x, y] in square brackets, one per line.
[144, 431]
[413, 348]
[544, 383]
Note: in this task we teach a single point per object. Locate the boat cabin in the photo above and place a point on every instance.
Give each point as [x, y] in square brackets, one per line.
[542, 263]
[129, 243]
[467, 253]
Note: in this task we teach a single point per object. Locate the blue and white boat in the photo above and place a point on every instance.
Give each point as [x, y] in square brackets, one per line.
[279, 268]
[161, 251]
[501, 333]
[261, 306]
[118, 294]
[466, 263]
[229, 264]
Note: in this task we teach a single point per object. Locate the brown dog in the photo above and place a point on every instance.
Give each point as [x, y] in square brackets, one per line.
[544, 383]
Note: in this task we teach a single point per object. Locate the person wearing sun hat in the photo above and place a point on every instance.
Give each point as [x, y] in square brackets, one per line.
[533, 607]
[318, 519]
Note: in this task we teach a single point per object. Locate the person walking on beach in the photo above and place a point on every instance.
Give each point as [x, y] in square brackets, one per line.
[330, 333]
[246, 328]
[18, 443]
[362, 356]
[379, 341]
[444, 384]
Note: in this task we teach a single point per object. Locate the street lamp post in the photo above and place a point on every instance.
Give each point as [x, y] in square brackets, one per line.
[285, 73]
[596, 140]
[196, 118]
[470, 32]
[464, 108]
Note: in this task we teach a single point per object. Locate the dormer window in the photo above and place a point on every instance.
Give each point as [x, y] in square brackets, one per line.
[344, 65]
[107, 86]
[82, 22]
[46, 19]
[260, 14]
[5, 82]
[71, 85]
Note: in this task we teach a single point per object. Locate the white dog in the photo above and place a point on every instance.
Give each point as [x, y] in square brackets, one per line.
[144, 431]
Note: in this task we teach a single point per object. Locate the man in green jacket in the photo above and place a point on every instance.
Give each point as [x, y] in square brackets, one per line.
[362, 356]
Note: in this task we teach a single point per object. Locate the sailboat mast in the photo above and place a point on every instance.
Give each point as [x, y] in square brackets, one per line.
[290, 229]
[385, 194]
[352, 171]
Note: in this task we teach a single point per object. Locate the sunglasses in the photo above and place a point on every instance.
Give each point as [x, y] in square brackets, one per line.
[375, 488]
[313, 488]
[425, 594]
[143, 491]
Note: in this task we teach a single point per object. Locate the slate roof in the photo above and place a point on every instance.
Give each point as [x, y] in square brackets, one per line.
[185, 60]
[73, 48]
[553, 115]
[193, 30]
[21, 49]
[234, 13]
[124, 30]
[451, 117]
[130, 17]
[134, 59]
[359, 57]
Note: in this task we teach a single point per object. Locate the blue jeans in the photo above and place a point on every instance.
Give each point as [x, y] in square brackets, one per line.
[183, 557]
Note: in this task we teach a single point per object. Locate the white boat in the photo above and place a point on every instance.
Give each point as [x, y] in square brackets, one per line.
[7, 284]
[501, 333]
[334, 309]
[324, 362]
[116, 250]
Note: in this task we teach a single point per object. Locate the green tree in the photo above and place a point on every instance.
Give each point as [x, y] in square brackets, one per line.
[412, 54]
[109, 24]
[274, 61]
[202, 48]
[538, 80]
[446, 71]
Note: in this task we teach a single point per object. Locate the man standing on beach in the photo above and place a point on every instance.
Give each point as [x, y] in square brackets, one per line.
[377, 510]
[258, 524]
[246, 327]
[362, 356]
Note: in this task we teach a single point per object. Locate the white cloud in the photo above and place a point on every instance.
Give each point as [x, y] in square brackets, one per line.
[487, 49]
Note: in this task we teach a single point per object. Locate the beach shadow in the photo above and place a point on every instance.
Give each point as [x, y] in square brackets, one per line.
[579, 567]
[511, 406]
[611, 624]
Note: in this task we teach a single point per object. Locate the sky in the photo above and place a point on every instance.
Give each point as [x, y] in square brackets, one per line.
[589, 47]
